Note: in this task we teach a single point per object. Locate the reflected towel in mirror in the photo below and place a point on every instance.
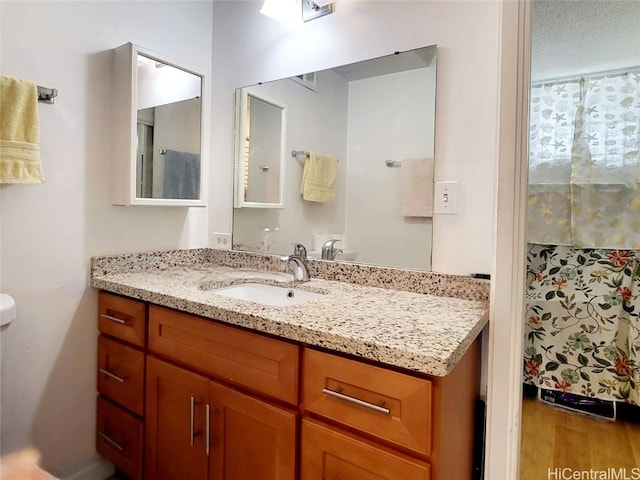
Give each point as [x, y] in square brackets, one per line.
[319, 178]
[181, 175]
[417, 187]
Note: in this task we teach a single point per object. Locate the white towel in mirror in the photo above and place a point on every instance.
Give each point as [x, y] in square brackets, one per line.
[417, 187]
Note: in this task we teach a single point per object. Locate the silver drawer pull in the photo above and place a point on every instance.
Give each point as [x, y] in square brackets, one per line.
[113, 319]
[111, 442]
[192, 406]
[208, 429]
[357, 401]
[112, 375]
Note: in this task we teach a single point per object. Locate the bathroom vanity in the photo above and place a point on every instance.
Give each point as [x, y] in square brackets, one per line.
[358, 382]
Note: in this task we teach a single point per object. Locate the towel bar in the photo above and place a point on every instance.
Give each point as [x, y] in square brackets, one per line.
[392, 163]
[46, 95]
[295, 153]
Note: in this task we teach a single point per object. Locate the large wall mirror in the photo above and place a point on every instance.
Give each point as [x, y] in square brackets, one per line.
[371, 116]
[163, 134]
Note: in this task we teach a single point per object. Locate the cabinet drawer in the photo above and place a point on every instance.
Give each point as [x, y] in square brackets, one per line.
[121, 374]
[119, 438]
[388, 405]
[254, 361]
[122, 318]
[327, 453]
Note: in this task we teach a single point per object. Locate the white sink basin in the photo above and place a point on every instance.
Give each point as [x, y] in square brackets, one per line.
[268, 294]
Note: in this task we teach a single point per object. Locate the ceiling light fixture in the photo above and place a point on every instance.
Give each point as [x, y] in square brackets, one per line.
[312, 9]
[281, 10]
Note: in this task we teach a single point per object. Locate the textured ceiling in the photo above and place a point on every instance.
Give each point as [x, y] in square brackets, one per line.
[570, 37]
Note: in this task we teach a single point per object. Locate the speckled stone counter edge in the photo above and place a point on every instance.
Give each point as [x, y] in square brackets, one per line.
[439, 284]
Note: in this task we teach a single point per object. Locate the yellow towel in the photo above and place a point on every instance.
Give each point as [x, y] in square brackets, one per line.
[319, 178]
[19, 132]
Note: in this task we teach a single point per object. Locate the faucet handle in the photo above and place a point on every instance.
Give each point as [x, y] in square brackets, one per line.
[331, 243]
[300, 250]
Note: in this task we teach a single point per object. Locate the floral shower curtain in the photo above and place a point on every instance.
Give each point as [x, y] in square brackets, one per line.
[582, 324]
[583, 299]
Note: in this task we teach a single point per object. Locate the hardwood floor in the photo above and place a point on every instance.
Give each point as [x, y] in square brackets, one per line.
[553, 438]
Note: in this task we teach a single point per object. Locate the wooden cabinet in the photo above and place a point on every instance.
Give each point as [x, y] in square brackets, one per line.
[391, 406]
[390, 412]
[412, 418]
[252, 439]
[332, 454]
[200, 429]
[193, 398]
[246, 359]
[122, 318]
[121, 374]
[119, 438]
[176, 432]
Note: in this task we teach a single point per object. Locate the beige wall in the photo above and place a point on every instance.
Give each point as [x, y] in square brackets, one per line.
[49, 231]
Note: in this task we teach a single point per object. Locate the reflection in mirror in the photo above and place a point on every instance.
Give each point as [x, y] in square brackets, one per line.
[260, 151]
[169, 130]
[365, 115]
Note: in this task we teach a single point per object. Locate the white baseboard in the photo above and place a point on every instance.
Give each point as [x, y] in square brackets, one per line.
[95, 469]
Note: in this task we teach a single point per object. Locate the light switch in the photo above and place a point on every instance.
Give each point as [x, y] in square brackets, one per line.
[446, 198]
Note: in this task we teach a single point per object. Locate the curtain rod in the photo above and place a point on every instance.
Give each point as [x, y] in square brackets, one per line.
[592, 75]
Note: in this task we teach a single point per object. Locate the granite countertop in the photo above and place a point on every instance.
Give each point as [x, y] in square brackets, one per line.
[416, 331]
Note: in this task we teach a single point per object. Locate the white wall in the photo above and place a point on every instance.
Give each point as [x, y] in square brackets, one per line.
[399, 127]
[49, 231]
[250, 48]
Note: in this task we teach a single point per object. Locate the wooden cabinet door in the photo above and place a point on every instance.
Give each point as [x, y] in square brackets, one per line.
[250, 439]
[175, 446]
[330, 454]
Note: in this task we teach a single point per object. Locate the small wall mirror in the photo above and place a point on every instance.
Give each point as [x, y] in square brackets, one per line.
[160, 126]
[260, 147]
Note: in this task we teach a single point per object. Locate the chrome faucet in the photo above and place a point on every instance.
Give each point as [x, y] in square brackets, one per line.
[329, 252]
[299, 261]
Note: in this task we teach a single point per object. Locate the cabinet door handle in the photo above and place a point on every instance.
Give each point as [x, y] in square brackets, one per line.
[111, 442]
[208, 429]
[112, 318]
[112, 375]
[192, 404]
[357, 401]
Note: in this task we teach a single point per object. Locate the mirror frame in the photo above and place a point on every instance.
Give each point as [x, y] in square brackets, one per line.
[242, 102]
[125, 117]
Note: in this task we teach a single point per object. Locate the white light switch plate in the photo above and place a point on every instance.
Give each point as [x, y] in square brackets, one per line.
[446, 198]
